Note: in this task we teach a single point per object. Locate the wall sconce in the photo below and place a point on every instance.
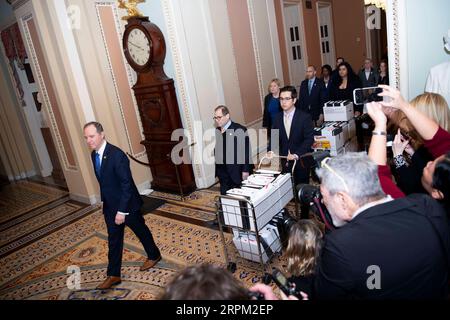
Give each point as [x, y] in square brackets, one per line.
[377, 3]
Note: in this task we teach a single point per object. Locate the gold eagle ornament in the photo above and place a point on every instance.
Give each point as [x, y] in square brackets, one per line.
[131, 7]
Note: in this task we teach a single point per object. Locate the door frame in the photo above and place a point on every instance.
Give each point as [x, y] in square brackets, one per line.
[304, 51]
[331, 31]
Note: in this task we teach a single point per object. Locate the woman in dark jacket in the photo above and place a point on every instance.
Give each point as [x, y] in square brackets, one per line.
[327, 79]
[384, 75]
[271, 105]
[346, 82]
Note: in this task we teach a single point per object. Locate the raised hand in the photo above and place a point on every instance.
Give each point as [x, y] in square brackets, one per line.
[396, 99]
[399, 144]
[375, 110]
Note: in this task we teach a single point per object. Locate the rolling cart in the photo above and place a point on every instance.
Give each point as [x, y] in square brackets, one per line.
[251, 214]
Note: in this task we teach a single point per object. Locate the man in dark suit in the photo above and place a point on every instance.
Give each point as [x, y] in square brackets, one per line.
[232, 152]
[121, 202]
[368, 75]
[312, 96]
[296, 134]
[384, 248]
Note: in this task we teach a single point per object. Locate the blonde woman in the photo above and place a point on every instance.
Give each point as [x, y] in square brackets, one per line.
[434, 106]
[271, 104]
[302, 253]
[410, 156]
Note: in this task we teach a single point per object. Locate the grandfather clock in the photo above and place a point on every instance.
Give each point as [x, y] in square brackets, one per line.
[145, 51]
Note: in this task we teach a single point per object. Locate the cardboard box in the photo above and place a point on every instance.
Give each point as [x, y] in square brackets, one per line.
[266, 200]
[247, 246]
[338, 110]
[331, 136]
[351, 146]
[351, 128]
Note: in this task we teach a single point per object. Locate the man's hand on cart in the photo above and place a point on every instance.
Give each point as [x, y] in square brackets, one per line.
[292, 157]
[270, 155]
[245, 175]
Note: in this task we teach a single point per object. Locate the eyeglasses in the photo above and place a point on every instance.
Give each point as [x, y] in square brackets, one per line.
[218, 118]
[286, 99]
[325, 165]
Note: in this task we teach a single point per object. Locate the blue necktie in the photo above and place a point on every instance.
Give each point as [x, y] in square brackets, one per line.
[97, 163]
[310, 83]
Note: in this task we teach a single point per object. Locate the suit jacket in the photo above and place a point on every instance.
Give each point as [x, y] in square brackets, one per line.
[373, 78]
[117, 188]
[229, 164]
[408, 239]
[301, 136]
[312, 103]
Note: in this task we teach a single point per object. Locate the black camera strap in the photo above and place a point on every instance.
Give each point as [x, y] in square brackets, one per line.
[266, 247]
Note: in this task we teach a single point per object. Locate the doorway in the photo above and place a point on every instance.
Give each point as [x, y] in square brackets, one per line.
[376, 36]
[295, 40]
[326, 33]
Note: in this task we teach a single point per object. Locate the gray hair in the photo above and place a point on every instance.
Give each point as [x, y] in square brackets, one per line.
[224, 109]
[359, 173]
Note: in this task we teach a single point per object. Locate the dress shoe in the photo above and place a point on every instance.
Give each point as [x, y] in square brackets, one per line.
[109, 282]
[149, 264]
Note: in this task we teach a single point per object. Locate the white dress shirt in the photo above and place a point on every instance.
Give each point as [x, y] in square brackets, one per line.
[372, 204]
[288, 117]
[101, 151]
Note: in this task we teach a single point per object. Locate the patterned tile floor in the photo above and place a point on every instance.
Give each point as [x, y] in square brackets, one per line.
[38, 246]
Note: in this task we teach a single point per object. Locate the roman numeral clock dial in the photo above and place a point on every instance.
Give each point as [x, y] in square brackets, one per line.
[138, 47]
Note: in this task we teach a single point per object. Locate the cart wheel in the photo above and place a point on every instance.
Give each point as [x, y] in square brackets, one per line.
[267, 278]
[231, 267]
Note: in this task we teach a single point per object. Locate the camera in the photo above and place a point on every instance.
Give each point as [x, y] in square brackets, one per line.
[366, 95]
[284, 284]
[309, 194]
[312, 160]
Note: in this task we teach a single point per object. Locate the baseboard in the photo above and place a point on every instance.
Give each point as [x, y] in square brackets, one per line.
[146, 185]
[46, 172]
[86, 199]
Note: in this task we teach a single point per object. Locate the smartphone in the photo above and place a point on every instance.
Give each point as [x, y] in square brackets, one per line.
[366, 95]
[283, 283]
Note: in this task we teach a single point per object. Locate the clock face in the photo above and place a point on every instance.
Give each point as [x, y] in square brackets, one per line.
[138, 47]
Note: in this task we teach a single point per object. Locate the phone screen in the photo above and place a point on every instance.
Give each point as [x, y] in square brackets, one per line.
[366, 95]
[281, 279]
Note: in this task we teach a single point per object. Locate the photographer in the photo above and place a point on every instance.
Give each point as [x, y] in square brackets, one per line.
[436, 175]
[384, 248]
[409, 153]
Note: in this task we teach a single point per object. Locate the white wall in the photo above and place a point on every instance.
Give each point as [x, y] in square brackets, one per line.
[426, 24]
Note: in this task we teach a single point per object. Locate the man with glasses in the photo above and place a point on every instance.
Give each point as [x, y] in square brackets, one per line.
[383, 248]
[296, 136]
[232, 152]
